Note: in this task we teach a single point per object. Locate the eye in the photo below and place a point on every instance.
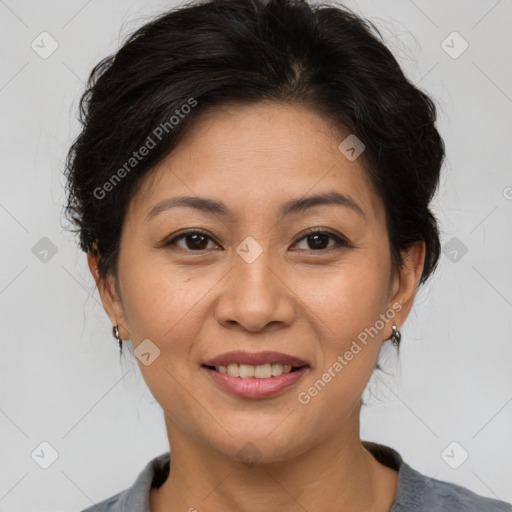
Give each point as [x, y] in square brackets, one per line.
[193, 240]
[318, 239]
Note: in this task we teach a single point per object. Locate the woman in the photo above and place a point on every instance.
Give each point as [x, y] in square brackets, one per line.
[252, 188]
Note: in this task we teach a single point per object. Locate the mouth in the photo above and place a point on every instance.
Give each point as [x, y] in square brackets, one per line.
[255, 375]
[259, 365]
[249, 371]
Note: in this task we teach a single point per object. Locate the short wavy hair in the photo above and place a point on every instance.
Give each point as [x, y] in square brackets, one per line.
[219, 52]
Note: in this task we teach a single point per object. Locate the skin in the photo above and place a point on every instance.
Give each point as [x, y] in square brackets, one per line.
[311, 303]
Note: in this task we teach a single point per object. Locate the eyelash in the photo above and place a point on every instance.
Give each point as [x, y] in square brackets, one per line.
[341, 243]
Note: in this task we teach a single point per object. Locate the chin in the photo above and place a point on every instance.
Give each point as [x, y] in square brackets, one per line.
[260, 446]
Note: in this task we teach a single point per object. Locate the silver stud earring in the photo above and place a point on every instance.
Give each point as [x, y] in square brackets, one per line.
[396, 336]
[115, 333]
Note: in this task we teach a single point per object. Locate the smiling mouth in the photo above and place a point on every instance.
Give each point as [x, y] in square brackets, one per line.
[261, 371]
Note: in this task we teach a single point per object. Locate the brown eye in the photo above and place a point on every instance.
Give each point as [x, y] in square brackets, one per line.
[192, 241]
[317, 240]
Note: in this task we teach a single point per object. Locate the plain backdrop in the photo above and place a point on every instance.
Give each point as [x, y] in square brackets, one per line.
[448, 396]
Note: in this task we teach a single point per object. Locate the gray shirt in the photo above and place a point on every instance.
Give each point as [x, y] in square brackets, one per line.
[416, 492]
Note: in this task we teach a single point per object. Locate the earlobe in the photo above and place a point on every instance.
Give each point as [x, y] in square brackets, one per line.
[110, 299]
[407, 279]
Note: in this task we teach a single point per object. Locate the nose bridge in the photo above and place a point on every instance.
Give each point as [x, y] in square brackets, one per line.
[255, 296]
[254, 274]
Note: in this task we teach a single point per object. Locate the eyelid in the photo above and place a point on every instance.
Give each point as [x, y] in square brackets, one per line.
[340, 240]
[183, 234]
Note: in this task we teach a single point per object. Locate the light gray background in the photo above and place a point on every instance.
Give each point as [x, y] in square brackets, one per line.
[61, 378]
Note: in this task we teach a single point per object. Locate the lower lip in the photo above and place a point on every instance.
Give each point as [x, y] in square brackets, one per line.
[255, 388]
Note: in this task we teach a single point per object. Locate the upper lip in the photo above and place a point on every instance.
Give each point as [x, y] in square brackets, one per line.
[255, 359]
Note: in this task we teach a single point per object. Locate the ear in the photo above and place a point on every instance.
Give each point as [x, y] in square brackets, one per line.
[406, 281]
[109, 294]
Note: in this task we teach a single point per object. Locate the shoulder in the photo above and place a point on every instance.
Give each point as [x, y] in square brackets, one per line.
[420, 493]
[112, 504]
[417, 492]
[136, 497]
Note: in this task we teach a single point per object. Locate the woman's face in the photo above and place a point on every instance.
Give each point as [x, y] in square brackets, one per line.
[256, 282]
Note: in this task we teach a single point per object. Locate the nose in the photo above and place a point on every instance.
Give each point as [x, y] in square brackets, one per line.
[255, 296]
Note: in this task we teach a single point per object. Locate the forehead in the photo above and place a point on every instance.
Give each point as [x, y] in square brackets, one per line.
[257, 156]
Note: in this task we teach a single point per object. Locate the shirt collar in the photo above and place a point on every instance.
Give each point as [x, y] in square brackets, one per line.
[156, 471]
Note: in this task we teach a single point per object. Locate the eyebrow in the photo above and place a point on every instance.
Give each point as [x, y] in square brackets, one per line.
[293, 206]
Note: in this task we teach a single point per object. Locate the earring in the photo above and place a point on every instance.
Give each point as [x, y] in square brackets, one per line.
[115, 333]
[396, 336]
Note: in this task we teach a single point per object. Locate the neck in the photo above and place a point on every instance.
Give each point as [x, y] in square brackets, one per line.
[337, 474]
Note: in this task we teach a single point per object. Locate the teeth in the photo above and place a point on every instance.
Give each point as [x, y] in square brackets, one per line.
[246, 371]
[261, 371]
[277, 369]
[233, 370]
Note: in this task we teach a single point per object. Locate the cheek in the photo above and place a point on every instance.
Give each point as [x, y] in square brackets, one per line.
[164, 305]
[350, 297]
[346, 307]
[160, 303]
